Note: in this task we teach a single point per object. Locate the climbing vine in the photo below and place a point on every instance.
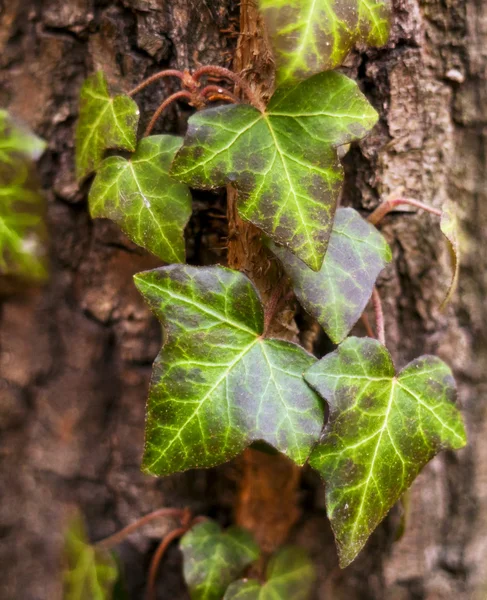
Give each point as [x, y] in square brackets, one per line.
[221, 382]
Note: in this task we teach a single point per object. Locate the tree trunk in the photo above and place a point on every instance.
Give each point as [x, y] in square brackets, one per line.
[75, 357]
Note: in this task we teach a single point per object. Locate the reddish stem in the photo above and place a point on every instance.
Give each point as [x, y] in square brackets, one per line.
[368, 328]
[379, 317]
[383, 209]
[156, 559]
[163, 106]
[156, 77]
[118, 537]
[226, 73]
[222, 94]
[186, 524]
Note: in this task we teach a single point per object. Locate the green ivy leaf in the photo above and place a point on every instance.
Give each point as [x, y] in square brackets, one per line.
[217, 385]
[449, 228]
[23, 232]
[104, 122]
[214, 558]
[90, 573]
[338, 293]
[283, 162]
[290, 576]
[16, 140]
[310, 36]
[138, 194]
[382, 430]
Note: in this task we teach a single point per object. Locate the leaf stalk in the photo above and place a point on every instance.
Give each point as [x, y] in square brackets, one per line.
[379, 317]
[118, 537]
[167, 73]
[163, 106]
[186, 524]
[241, 83]
[386, 207]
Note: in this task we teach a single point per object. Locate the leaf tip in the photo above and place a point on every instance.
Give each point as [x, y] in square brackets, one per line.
[141, 281]
[346, 555]
[462, 435]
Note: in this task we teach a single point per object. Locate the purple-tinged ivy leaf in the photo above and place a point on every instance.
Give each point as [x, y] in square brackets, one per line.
[338, 293]
[218, 385]
[283, 162]
[383, 429]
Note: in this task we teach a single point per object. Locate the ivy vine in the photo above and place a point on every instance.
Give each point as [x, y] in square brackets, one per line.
[220, 382]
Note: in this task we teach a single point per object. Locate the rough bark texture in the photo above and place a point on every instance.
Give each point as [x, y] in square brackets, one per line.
[75, 357]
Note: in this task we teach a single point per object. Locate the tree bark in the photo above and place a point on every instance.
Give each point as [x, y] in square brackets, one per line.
[75, 357]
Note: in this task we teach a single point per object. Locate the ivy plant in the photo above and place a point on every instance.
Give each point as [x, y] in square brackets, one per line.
[310, 36]
[283, 161]
[383, 428]
[338, 293]
[138, 194]
[90, 573]
[220, 382]
[104, 122]
[214, 558]
[290, 575]
[23, 233]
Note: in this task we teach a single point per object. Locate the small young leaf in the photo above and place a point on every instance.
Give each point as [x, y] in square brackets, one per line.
[310, 36]
[337, 294]
[382, 430]
[217, 385]
[290, 576]
[147, 204]
[449, 228]
[22, 207]
[283, 162]
[90, 573]
[17, 140]
[214, 558]
[104, 122]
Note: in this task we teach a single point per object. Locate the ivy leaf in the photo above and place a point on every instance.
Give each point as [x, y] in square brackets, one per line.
[16, 140]
[338, 293]
[22, 207]
[104, 122]
[310, 36]
[217, 384]
[214, 558]
[284, 161]
[138, 194]
[290, 576]
[449, 228]
[91, 573]
[381, 432]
